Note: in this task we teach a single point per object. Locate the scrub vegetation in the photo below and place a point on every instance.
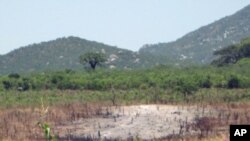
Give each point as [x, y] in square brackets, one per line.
[34, 105]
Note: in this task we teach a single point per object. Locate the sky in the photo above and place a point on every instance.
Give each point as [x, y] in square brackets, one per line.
[123, 23]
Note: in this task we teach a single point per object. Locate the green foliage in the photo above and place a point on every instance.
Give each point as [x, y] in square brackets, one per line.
[61, 54]
[69, 85]
[186, 87]
[14, 75]
[131, 96]
[43, 125]
[229, 55]
[24, 85]
[181, 80]
[7, 84]
[245, 47]
[46, 129]
[57, 78]
[205, 83]
[233, 82]
[244, 62]
[233, 53]
[92, 58]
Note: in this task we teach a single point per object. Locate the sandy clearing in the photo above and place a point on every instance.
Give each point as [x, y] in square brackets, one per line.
[144, 121]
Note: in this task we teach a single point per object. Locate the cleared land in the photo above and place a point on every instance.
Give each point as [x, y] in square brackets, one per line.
[140, 121]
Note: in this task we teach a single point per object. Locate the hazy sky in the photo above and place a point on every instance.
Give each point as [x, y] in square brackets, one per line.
[124, 23]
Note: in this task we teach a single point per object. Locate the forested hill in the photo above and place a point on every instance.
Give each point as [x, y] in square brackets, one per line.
[63, 53]
[198, 46]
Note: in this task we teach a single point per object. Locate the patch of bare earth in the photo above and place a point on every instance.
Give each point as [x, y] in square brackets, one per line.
[142, 121]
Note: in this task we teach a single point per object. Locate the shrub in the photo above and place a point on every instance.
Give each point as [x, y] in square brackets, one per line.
[206, 83]
[7, 85]
[14, 75]
[233, 82]
[64, 85]
[186, 87]
[56, 79]
[69, 71]
[205, 125]
[24, 85]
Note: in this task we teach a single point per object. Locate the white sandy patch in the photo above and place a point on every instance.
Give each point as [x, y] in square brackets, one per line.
[144, 121]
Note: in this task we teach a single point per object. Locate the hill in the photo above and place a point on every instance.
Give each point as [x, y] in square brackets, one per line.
[62, 53]
[197, 47]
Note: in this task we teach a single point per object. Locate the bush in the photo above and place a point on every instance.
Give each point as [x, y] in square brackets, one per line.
[186, 87]
[69, 71]
[206, 83]
[66, 84]
[24, 86]
[56, 79]
[14, 75]
[233, 82]
[7, 85]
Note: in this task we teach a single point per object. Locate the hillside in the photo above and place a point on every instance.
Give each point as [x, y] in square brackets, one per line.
[62, 53]
[198, 46]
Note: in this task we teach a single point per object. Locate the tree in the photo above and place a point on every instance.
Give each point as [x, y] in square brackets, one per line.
[92, 58]
[233, 53]
[228, 55]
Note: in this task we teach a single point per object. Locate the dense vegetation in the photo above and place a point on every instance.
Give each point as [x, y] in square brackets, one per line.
[60, 54]
[184, 79]
[163, 84]
[233, 53]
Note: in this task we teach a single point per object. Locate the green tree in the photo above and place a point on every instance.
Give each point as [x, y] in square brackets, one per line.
[92, 58]
[229, 55]
[233, 53]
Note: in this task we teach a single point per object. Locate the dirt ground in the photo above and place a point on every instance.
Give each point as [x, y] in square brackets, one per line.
[143, 121]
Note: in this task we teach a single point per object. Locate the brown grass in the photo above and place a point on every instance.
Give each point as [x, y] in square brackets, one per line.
[21, 123]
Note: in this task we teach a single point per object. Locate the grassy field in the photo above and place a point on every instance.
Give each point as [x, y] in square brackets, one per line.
[212, 96]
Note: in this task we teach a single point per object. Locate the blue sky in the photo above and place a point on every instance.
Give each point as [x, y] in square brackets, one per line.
[124, 23]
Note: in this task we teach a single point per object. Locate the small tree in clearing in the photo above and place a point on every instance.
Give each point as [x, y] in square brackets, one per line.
[92, 58]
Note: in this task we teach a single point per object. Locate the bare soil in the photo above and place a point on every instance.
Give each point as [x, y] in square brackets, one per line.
[142, 121]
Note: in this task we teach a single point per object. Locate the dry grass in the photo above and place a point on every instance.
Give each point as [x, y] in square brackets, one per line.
[21, 123]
